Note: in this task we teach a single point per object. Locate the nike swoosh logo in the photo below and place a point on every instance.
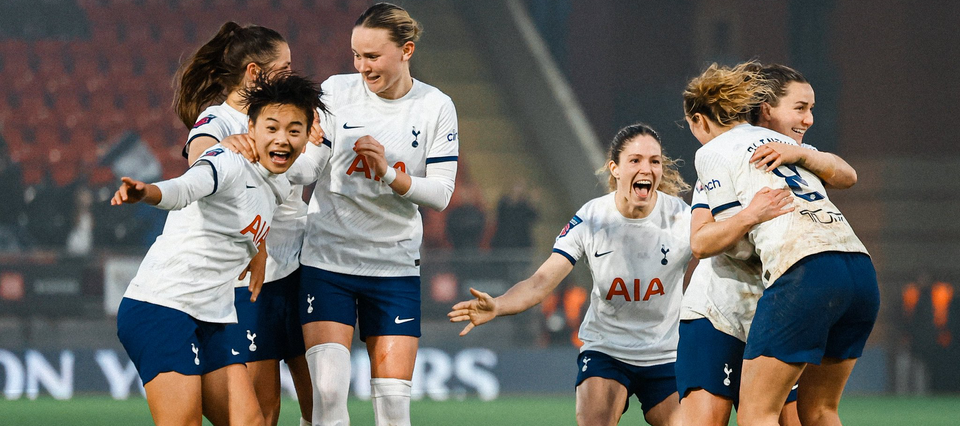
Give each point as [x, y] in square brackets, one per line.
[598, 254]
[234, 352]
[401, 321]
[345, 126]
[250, 187]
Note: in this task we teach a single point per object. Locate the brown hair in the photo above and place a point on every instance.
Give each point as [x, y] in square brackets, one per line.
[726, 95]
[671, 183]
[393, 18]
[217, 68]
[777, 77]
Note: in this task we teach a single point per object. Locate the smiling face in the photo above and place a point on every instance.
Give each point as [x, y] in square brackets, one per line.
[385, 67]
[793, 115]
[280, 133]
[638, 174]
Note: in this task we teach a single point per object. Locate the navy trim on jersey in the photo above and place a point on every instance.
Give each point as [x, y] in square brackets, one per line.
[327, 143]
[700, 206]
[724, 207]
[564, 254]
[441, 159]
[214, 173]
[185, 153]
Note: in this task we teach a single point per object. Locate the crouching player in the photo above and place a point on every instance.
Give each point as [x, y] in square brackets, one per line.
[176, 307]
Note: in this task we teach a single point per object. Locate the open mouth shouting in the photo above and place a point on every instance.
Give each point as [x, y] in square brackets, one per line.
[642, 188]
[280, 158]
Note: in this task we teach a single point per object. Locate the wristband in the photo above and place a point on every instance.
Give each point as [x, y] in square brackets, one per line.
[389, 176]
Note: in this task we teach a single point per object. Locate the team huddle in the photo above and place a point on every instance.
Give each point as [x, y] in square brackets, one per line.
[246, 274]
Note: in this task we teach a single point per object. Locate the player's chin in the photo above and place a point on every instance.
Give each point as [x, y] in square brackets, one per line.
[279, 162]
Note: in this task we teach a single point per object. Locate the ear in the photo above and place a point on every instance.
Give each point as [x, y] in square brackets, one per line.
[251, 72]
[407, 49]
[251, 127]
[614, 169]
[765, 109]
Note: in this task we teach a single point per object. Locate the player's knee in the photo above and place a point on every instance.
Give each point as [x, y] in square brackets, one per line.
[391, 401]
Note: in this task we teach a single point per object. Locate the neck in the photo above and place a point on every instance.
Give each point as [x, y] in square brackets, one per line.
[635, 211]
[402, 88]
[235, 101]
[716, 129]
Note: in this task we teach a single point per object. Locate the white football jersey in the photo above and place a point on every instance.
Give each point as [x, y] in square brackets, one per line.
[637, 267]
[722, 289]
[289, 221]
[356, 224]
[193, 265]
[815, 226]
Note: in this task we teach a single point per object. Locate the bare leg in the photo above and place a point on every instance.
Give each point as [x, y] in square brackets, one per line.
[701, 407]
[265, 376]
[789, 416]
[301, 382]
[665, 413]
[228, 397]
[764, 386]
[174, 399]
[600, 402]
[392, 356]
[820, 389]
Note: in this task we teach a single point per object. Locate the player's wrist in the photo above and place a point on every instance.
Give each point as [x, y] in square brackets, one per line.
[389, 176]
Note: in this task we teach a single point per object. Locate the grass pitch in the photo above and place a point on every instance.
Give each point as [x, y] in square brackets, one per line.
[507, 410]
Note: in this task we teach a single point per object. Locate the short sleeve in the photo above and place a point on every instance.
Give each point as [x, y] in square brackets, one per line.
[208, 125]
[570, 242]
[714, 174]
[699, 199]
[446, 142]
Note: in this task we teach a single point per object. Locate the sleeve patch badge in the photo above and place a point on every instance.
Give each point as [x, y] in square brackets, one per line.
[566, 228]
[204, 120]
[212, 153]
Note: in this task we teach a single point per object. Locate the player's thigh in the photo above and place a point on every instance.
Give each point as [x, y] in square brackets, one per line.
[392, 356]
[666, 412]
[821, 387]
[174, 399]
[600, 401]
[321, 332]
[764, 386]
[700, 407]
[789, 416]
[228, 394]
[265, 376]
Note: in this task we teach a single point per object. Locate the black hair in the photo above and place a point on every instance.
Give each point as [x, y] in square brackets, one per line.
[285, 88]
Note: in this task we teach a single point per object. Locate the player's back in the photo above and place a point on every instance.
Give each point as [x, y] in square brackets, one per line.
[815, 226]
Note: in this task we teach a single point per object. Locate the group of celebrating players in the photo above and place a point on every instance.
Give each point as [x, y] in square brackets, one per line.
[772, 320]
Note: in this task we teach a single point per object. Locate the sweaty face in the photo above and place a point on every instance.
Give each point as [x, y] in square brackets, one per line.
[639, 171]
[280, 133]
[380, 61]
[794, 114]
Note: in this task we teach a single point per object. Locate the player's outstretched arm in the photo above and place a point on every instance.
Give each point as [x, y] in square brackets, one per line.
[830, 168]
[133, 191]
[522, 296]
[709, 237]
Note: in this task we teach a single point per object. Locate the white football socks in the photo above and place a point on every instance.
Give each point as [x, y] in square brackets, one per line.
[329, 366]
[304, 422]
[391, 401]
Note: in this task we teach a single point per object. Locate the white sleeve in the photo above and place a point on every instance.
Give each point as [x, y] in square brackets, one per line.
[715, 177]
[208, 125]
[309, 164]
[436, 188]
[198, 182]
[570, 242]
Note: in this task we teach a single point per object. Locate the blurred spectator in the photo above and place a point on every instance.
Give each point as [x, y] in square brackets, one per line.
[466, 220]
[80, 238]
[48, 210]
[515, 218]
[563, 311]
[11, 192]
[931, 325]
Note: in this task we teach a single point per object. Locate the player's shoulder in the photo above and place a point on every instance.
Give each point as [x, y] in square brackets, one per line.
[672, 203]
[431, 93]
[223, 159]
[340, 81]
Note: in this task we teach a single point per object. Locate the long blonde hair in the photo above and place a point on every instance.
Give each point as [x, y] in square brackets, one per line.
[726, 95]
[671, 183]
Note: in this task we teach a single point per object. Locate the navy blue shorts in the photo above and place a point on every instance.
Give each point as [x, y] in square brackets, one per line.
[651, 384]
[825, 305]
[711, 360]
[384, 306]
[268, 328]
[159, 339]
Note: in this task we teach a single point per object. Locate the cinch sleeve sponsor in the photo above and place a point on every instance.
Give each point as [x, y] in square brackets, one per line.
[446, 141]
[714, 177]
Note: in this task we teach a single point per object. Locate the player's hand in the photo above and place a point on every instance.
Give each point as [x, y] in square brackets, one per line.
[257, 269]
[771, 155]
[478, 311]
[316, 132]
[242, 144]
[373, 152]
[770, 203]
[130, 192]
